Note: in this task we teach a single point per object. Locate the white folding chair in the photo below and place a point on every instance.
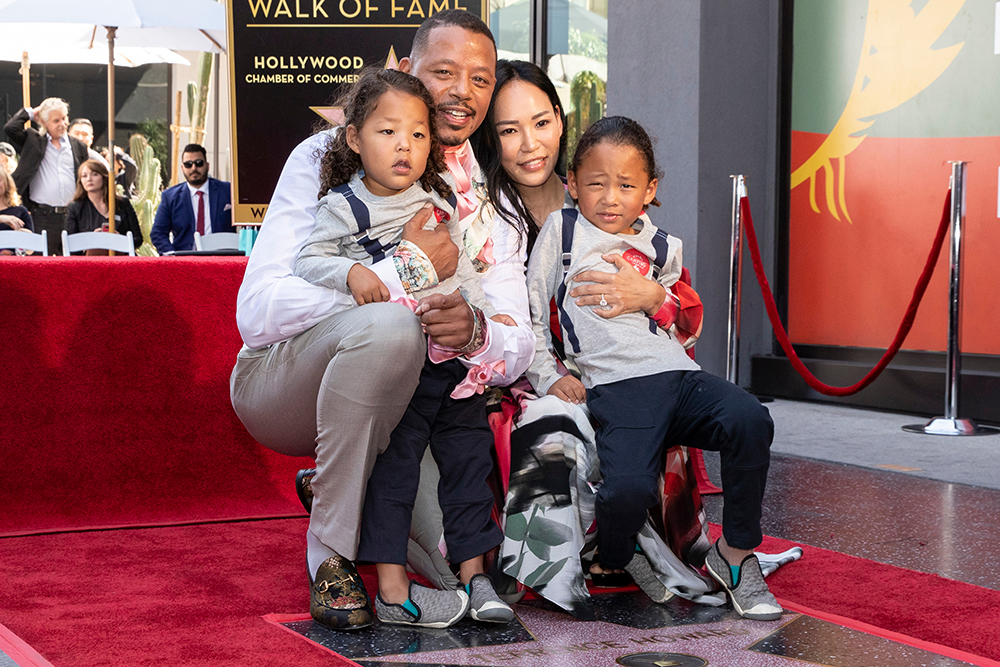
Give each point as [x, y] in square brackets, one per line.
[97, 241]
[25, 240]
[217, 241]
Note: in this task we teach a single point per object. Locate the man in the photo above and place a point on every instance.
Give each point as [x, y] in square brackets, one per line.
[335, 397]
[201, 204]
[46, 175]
[126, 169]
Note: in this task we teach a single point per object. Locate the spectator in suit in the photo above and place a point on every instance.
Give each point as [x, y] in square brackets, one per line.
[46, 173]
[201, 204]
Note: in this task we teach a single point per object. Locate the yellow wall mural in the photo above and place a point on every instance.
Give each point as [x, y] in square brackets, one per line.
[897, 61]
[884, 94]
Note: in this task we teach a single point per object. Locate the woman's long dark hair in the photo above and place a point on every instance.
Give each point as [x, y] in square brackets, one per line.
[500, 189]
[338, 163]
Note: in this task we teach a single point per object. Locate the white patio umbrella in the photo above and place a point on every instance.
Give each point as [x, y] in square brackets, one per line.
[195, 17]
[74, 44]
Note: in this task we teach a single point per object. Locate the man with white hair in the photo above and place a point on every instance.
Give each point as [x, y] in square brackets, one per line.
[46, 174]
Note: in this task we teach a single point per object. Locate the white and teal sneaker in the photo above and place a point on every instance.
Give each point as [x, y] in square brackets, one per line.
[484, 603]
[425, 607]
[745, 585]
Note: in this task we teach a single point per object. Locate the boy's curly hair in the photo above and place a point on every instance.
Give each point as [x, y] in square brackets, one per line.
[338, 163]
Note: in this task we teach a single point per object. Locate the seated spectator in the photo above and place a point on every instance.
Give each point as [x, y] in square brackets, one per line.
[88, 212]
[202, 204]
[12, 214]
[8, 157]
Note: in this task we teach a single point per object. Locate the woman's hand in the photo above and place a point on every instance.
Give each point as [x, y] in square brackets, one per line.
[624, 292]
[11, 221]
[447, 319]
[435, 243]
[569, 389]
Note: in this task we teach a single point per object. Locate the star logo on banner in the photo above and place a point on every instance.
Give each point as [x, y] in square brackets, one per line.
[335, 115]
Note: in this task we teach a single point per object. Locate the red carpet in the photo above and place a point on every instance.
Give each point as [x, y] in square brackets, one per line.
[116, 402]
[196, 595]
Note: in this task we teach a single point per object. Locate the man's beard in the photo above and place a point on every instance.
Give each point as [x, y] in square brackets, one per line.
[198, 183]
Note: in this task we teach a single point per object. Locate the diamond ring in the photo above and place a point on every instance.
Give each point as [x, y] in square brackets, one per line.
[604, 302]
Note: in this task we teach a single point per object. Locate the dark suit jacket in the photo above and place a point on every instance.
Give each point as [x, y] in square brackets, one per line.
[176, 214]
[31, 144]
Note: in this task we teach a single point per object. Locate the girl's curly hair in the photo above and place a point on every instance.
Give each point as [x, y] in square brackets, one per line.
[338, 163]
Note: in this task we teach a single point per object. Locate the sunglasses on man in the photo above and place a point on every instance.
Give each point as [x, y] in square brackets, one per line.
[194, 163]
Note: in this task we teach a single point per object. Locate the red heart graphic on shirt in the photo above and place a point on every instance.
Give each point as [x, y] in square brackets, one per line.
[637, 260]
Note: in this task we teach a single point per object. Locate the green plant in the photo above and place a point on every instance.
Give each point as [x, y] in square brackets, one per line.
[197, 98]
[147, 185]
[157, 135]
[590, 99]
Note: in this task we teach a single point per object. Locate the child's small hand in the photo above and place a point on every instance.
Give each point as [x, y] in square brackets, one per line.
[569, 389]
[504, 319]
[365, 285]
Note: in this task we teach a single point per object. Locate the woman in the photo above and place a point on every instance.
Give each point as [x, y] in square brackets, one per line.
[553, 461]
[12, 213]
[88, 212]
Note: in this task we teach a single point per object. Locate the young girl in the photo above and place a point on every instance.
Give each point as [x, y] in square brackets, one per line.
[636, 380]
[385, 166]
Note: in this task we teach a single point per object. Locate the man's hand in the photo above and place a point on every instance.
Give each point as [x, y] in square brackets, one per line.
[447, 319]
[569, 389]
[365, 285]
[627, 291]
[11, 221]
[435, 243]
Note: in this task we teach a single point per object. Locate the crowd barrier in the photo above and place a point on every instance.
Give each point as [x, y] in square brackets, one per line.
[952, 217]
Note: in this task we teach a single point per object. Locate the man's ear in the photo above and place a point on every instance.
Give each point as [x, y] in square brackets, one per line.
[351, 135]
[405, 65]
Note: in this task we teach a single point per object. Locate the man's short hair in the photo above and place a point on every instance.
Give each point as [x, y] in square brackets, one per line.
[450, 17]
[81, 121]
[195, 148]
[47, 106]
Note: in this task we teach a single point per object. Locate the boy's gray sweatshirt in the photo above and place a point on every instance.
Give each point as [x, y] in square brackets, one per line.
[333, 248]
[610, 349]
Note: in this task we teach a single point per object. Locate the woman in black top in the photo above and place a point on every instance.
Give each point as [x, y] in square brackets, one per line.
[88, 212]
[12, 214]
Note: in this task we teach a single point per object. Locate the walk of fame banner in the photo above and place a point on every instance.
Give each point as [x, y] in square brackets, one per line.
[289, 58]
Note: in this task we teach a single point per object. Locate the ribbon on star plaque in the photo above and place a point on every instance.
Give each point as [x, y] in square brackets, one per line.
[288, 60]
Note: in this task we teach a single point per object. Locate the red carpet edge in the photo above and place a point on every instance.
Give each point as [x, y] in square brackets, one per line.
[19, 651]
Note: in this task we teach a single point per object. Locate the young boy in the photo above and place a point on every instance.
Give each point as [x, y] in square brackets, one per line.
[637, 381]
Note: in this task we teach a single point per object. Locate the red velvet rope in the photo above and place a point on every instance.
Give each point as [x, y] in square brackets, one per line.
[904, 327]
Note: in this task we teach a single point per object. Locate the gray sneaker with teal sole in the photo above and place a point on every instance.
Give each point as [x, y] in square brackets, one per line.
[484, 603]
[749, 593]
[644, 577]
[426, 607]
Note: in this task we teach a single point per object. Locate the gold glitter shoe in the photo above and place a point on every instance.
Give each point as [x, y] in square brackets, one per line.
[337, 598]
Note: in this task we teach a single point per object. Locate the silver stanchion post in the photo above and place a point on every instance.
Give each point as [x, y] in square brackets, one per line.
[950, 424]
[735, 284]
